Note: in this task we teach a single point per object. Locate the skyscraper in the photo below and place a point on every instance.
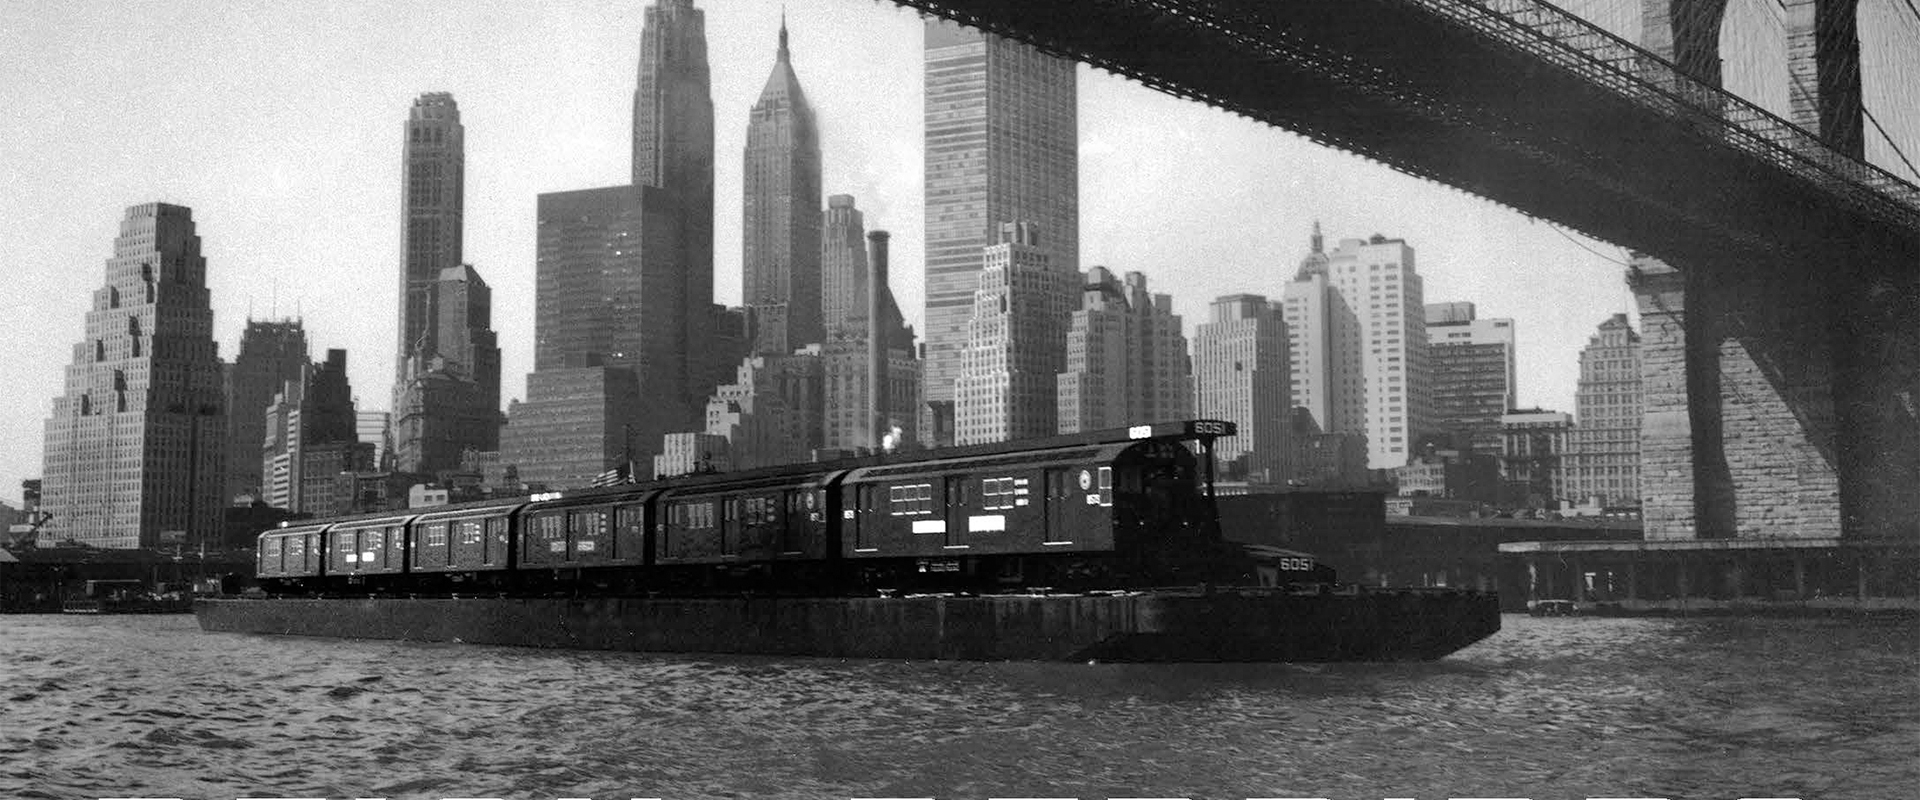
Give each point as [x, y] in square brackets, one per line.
[1016, 342]
[1603, 448]
[1002, 143]
[271, 353]
[780, 264]
[1126, 357]
[625, 282]
[136, 445]
[673, 150]
[446, 391]
[433, 198]
[1358, 320]
[1240, 375]
[843, 262]
[1473, 371]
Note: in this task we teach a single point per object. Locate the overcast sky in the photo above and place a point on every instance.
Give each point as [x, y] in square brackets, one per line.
[280, 125]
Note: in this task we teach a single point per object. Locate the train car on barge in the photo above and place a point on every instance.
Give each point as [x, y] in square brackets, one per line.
[987, 550]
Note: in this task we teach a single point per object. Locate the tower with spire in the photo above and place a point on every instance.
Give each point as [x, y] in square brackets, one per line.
[780, 261]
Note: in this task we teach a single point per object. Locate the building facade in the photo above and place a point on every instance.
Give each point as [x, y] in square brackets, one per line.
[1016, 342]
[852, 360]
[136, 447]
[772, 413]
[1002, 143]
[271, 353]
[1603, 450]
[1240, 370]
[1473, 372]
[1534, 442]
[450, 401]
[575, 424]
[780, 262]
[313, 434]
[1357, 318]
[1126, 357]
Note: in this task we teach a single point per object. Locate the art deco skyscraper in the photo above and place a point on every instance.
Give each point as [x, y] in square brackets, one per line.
[781, 259]
[673, 150]
[1016, 342]
[1603, 448]
[433, 171]
[1002, 143]
[446, 391]
[136, 446]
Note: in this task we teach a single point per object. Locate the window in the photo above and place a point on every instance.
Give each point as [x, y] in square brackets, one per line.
[996, 493]
[1106, 486]
[910, 500]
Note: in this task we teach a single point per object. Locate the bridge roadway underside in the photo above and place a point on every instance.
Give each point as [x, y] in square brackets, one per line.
[1819, 286]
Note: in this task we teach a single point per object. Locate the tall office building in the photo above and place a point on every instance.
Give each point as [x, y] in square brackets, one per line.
[136, 446]
[1126, 357]
[1473, 372]
[843, 262]
[1603, 448]
[271, 353]
[624, 286]
[673, 151]
[1358, 320]
[606, 300]
[1016, 342]
[433, 197]
[446, 391]
[1002, 143]
[450, 401]
[780, 263]
[1240, 370]
[858, 290]
[1319, 325]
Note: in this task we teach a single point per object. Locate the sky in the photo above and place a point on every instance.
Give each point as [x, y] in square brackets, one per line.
[280, 125]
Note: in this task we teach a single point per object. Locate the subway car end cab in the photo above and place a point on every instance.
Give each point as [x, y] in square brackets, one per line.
[1080, 516]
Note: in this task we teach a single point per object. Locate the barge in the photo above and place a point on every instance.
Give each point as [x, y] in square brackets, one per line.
[1159, 625]
[1041, 550]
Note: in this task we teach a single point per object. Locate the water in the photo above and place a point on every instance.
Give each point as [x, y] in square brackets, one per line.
[1549, 708]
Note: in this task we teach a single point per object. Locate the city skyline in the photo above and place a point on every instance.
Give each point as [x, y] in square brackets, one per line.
[256, 212]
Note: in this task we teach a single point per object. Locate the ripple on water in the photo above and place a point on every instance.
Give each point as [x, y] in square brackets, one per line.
[1546, 707]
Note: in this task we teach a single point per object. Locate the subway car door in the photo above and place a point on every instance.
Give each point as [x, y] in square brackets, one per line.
[1059, 498]
[956, 512]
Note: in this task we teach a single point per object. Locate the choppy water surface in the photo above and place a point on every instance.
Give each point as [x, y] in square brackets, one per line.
[1549, 708]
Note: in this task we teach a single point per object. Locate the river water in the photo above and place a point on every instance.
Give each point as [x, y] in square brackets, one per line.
[1549, 708]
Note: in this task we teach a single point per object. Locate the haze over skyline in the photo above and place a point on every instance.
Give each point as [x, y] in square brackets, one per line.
[281, 127]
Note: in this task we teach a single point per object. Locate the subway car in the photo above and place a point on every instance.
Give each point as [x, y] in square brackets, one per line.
[1106, 510]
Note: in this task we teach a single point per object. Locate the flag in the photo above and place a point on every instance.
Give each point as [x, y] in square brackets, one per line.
[613, 477]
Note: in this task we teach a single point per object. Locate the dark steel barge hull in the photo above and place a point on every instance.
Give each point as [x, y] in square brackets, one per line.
[1148, 626]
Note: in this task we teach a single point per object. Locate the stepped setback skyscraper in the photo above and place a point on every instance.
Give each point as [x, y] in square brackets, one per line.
[433, 199]
[780, 264]
[1016, 342]
[673, 150]
[1240, 375]
[446, 391]
[136, 446]
[1002, 143]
